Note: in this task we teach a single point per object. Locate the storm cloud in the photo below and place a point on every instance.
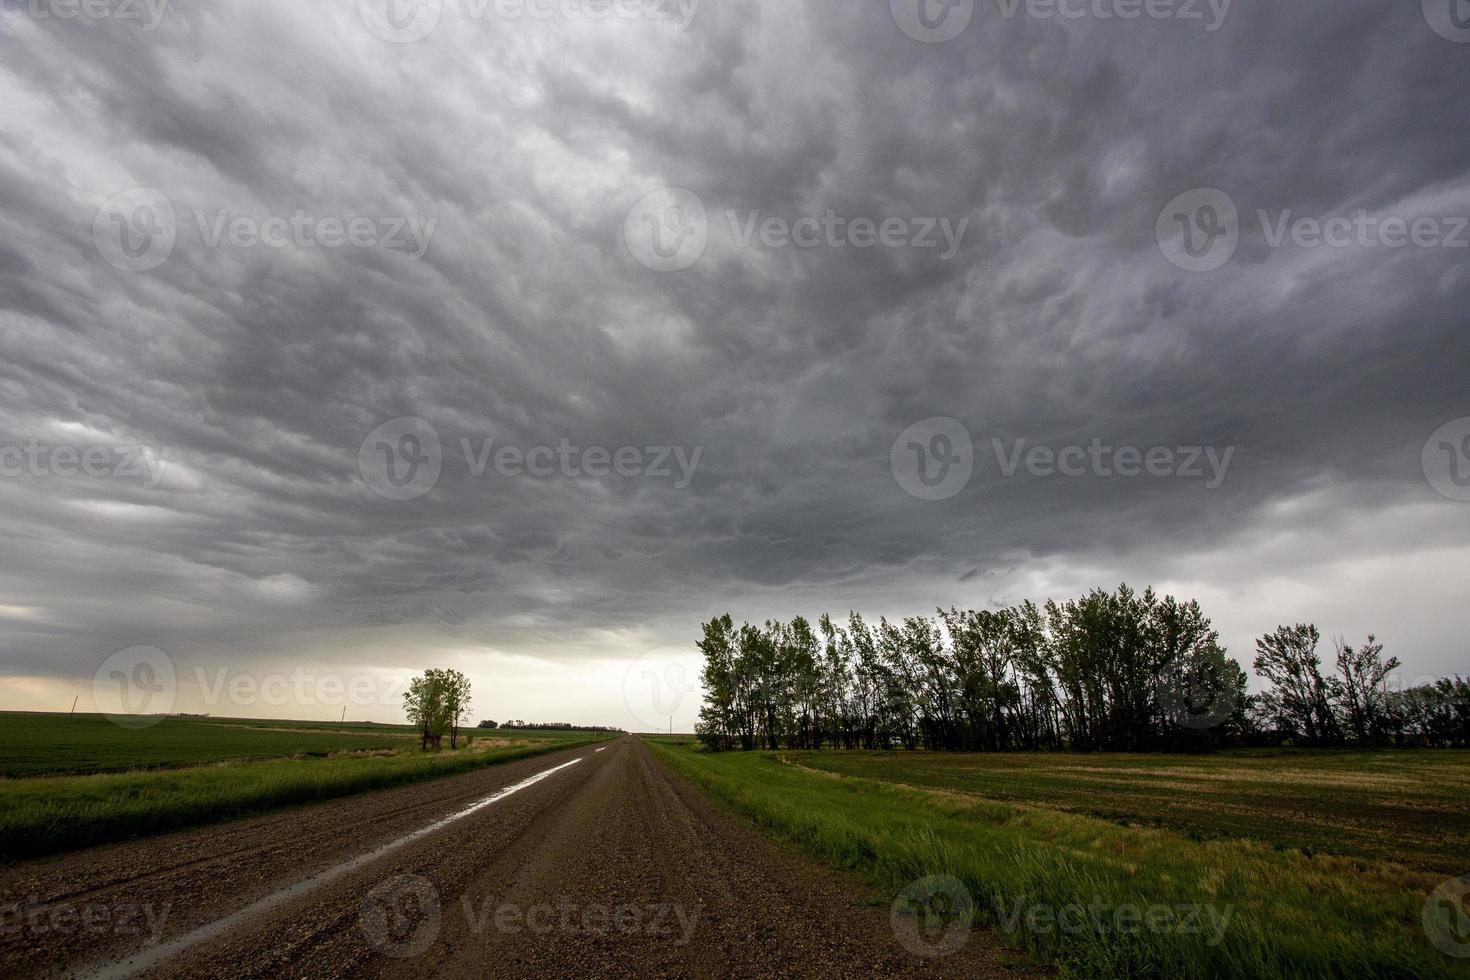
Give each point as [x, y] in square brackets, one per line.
[747, 245]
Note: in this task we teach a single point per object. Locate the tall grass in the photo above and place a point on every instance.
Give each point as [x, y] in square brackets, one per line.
[47, 815]
[1275, 913]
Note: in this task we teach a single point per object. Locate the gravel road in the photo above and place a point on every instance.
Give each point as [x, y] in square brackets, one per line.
[587, 862]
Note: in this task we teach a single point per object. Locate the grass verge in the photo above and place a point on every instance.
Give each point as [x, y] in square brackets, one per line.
[1257, 912]
[48, 815]
[1403, 806]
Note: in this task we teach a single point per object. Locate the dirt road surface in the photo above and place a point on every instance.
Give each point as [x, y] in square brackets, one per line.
[586, 862]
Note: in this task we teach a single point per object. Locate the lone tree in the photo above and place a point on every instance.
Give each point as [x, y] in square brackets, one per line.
[436, 702]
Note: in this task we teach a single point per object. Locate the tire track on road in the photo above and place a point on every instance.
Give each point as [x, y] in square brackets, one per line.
[199, 875]
[600, 862]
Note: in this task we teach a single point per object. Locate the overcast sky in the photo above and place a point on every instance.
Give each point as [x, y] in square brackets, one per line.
[803, 264]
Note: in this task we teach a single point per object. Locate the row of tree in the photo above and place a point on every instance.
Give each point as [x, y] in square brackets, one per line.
[1359, 703]
[550, 726]
[437, 703]
[1121, 671]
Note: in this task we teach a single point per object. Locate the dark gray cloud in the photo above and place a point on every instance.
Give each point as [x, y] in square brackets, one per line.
[528, 319]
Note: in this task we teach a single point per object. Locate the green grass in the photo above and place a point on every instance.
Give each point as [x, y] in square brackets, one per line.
[54, 744]
[1290, 914]
[42, 744]
[1408, 807]
[185, 772]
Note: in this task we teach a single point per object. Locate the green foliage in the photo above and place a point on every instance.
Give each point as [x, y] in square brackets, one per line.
[1395, 805]
[47, 815]
[1112, 671]
[1300, 698]
[1290, 914]
[40, 744]
[437, 702]
[1119, 671]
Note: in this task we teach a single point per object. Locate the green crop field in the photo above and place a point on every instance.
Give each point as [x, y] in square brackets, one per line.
[73, 781]
[42, 744]
[54, 744]
[1290, 864]
[1408, 807]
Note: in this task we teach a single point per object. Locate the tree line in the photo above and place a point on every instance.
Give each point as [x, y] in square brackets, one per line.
[548, 726]
[1111, 671]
